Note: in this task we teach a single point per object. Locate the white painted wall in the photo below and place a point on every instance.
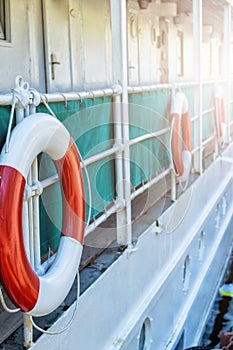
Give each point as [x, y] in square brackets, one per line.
[24, 53]
[143, 67]
[79, 34]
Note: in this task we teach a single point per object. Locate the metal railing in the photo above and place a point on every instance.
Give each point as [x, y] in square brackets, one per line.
[31, 203]
[118, 147]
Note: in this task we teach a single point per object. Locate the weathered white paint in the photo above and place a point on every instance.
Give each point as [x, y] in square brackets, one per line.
[143, 280]
[78, 34]
[24, 53]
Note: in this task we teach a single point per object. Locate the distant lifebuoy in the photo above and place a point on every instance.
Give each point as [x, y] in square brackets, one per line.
[181, 139]
[220, 121]
[33, 294]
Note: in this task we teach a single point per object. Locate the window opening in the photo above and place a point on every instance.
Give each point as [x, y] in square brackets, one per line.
[180, 53]
[145, 335]
[2, 20]
[180, 344]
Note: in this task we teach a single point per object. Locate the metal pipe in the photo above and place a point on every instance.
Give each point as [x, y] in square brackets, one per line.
[49, 181]
[101, 155]
[6, 99]
[148, 136]
[195, 150]
[173, 187]
[19, 118]
[28, 329]
[197, 33]
[35, 204]
[118, 205]
[125, 236]
[226, 61]
[120, 217]
[209, 139]
[78, 96]
[108, 212]
[157, 87]
[207, 111]
[30, 207]
[150, 183]
[194, 118]
[30, 219]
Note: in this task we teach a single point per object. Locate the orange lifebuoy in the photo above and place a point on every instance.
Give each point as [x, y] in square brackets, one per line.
[181, 138]
[220, 119]
[39, 295]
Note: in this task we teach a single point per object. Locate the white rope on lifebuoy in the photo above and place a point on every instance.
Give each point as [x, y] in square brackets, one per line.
[33, 294]
[180, 137]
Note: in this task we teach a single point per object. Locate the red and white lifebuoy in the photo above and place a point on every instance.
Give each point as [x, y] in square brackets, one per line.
[220, 120]
[181, 138]
[33, 294]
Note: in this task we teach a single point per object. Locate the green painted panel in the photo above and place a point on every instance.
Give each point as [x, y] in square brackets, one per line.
[149, 112]
[208, 123]
[190, 94]
[147, 158]
[90, 125]
[4, 120]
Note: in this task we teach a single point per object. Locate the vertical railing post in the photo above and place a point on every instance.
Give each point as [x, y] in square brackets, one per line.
[120, 215]
[22, 111]
[197, 35]
[127, 238]
[28, 328]
[121, 120]
[32, 218]
[35, 200]
[226, 62]
[173, 176]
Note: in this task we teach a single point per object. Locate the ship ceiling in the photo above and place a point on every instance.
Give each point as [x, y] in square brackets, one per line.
[213, 12]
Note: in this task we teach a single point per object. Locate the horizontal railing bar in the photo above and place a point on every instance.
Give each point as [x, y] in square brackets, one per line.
[108, 212]
[148, 136]
[49, 181]
[79, 96]
[114, 207]
[150, 183]
[194, 150]
[209, 139]
[194, 118]
[101, 155]
[207, 111]
[6, 99]
[155, 87]
[52, 179]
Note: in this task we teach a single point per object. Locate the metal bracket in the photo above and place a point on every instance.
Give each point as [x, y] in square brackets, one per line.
[157, 228]
[132, 248]
[35, 97]
[21, 92]
[35, 190]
